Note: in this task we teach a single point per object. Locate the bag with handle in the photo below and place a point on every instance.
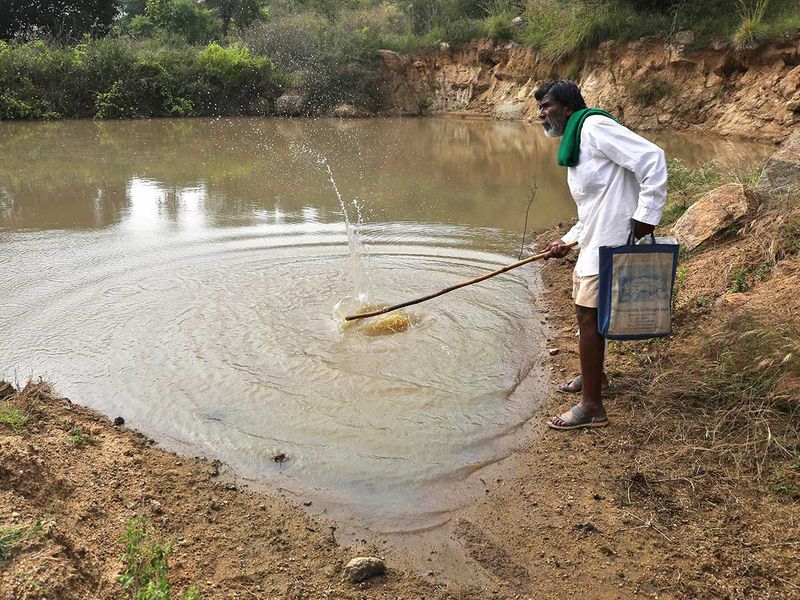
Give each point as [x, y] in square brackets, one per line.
[635, 288]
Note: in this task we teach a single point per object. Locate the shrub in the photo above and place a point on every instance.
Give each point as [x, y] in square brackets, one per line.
[499, 26]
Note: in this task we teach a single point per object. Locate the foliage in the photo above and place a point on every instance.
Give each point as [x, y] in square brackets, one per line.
[184, 18]
[686, 184]
[8, 537]
[123, 78]
[752, 29]
[146, 566]
[12, 417]
[63, 19]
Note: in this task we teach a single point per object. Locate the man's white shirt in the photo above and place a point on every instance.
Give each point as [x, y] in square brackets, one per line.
[619, 176]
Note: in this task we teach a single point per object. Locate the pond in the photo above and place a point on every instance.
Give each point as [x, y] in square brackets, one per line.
[184, 274]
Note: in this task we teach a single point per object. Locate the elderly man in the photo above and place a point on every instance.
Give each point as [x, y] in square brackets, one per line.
[619, 181]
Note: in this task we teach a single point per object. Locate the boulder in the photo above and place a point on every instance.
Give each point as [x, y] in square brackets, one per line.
[290, 105]
[348, 111]
[362, 568]
[715, 211]
[509, 110]
[781, 175]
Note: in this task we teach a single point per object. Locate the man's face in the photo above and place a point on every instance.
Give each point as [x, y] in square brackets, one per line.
[553, 116]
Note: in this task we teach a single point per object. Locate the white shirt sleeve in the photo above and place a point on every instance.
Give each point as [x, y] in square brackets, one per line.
[573, 234]
[640, 156]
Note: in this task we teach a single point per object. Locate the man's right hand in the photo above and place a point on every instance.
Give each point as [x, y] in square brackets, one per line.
[557, 249]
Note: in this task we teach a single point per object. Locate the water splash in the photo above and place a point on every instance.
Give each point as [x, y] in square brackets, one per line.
[359, 256]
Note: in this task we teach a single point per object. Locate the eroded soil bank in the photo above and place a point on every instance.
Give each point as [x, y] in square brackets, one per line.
[666, 502]
[648, 84]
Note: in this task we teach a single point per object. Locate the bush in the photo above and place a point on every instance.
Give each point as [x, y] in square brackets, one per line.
[119, 77]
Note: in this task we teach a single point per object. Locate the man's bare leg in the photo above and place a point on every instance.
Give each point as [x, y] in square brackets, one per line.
[591, 348]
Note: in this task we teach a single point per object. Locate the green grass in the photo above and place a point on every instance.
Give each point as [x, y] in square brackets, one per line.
[686, 184]
[12, 417]
[78, 437]
[146, 574]
[8, 537]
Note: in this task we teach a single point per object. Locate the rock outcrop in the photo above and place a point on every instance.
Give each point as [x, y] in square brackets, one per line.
[781, 175]
[714, 212]
[647, 84]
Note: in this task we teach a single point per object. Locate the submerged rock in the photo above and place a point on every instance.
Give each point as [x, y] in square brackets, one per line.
[715, 211]
[362, 568]
[781, 175]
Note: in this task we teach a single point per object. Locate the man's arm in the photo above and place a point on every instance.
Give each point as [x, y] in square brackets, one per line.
[645, 160]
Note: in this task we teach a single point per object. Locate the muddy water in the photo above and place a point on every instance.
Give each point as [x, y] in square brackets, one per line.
[183, 275]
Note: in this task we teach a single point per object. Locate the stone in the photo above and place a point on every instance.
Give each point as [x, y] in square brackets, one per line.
[553, 351]
[509, 110]
[290, 105]
[348, 111]
[684, 37]
[715, 211]
[119, 421]
[518, 22]
[362, 568]
[444, 47]
[781, 175]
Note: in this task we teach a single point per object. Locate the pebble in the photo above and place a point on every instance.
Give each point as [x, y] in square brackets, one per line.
[553, 351]
[362, 568]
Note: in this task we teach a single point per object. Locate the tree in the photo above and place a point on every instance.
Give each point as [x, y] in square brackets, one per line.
[240, 12]
[63, 19]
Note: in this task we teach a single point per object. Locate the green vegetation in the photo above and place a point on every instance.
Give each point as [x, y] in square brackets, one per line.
[78, 437]
[686, 184]
[12, 417]
[143, 58]
[146, 568]
[9, 536]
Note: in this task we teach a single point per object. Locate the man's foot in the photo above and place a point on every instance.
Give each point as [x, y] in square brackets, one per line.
[575, 386]
[576, 418]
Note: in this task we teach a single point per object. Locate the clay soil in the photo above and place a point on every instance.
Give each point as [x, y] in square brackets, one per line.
[620, 512]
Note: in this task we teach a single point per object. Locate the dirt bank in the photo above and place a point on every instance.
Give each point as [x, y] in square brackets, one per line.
[648, 84]
[667, 502]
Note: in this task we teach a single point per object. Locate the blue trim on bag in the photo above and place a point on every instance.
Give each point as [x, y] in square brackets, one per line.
[604, 285]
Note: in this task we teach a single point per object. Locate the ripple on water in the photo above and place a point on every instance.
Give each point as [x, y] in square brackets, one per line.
[229, 343]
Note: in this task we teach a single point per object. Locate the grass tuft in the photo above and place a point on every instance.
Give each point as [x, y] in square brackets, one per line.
[12, 417]
[8, 537]
[146, 566]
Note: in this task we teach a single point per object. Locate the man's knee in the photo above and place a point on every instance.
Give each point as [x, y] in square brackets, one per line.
[587, 317]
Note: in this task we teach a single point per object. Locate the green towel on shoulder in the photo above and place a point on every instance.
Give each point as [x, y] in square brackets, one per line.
[570, 148]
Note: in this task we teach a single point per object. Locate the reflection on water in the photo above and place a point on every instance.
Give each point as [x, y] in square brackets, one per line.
[184, 274]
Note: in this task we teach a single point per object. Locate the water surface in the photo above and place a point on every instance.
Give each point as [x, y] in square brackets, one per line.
[183, 274]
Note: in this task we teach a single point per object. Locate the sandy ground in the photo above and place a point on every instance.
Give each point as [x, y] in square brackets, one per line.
[584, 513]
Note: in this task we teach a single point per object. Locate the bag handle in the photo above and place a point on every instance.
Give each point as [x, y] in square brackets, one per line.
[632, 235]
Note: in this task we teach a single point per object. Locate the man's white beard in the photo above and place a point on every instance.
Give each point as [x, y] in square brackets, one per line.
[552, 129]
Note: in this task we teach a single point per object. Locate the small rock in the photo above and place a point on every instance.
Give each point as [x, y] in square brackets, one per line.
[280, 457]
[553, 351]
[118, 421]
[684, 37]
[518, 22]
[156, 507]
[362, 568]
[307, 503]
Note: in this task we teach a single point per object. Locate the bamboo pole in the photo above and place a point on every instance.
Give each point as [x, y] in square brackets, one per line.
[389, 309]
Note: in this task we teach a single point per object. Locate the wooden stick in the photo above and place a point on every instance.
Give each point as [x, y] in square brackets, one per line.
[388, 309]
